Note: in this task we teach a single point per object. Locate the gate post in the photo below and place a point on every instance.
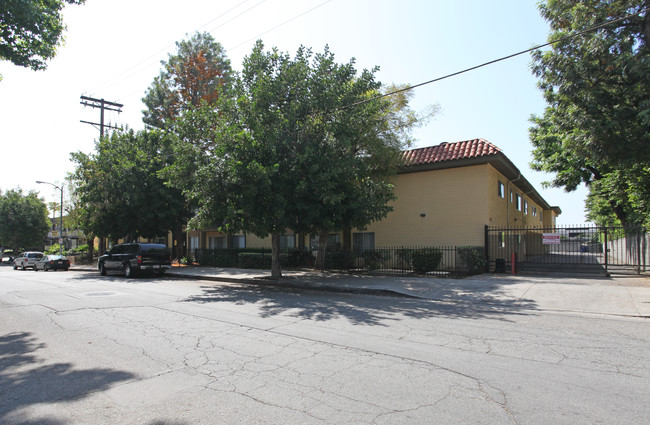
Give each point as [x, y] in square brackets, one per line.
[606, 250]
[638, 250]
[487, 252]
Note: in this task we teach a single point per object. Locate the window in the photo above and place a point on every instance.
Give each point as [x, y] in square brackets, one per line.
[501, 190]
[194, 243]
[363, 241]
[287, 241]
[512, 196]
[239, 241]
[534, 211]
[540, 215]
[525, 206]
[217, 242]
[333, 240]
[518, 202]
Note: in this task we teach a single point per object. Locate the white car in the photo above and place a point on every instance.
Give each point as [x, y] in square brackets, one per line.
[27, 259]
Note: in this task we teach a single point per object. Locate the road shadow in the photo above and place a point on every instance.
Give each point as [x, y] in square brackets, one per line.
[360, 309]
[26, 379]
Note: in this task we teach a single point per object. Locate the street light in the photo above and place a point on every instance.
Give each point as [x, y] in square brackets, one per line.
[61, 223]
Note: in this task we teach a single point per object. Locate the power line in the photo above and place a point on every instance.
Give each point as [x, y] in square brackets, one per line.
[453, 74]
[282, 24]
[127, 73]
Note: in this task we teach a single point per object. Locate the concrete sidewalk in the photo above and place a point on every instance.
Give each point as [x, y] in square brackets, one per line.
[625, 296]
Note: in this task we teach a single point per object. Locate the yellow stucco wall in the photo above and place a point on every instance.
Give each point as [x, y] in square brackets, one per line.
[447, 207]
[503, 212]
[454, 203]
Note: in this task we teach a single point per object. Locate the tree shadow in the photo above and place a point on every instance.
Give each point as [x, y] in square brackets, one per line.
[321, 305]
[26, 379]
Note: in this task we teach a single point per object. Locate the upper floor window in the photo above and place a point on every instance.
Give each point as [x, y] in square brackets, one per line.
[525, 206]
[518, 202]
[501, 190]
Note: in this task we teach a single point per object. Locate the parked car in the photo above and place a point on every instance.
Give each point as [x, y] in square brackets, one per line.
[52, 262]
[27, 259]
[8, 256]
[133, 258]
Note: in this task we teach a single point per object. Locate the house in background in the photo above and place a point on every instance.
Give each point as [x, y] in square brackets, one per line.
[446, 195]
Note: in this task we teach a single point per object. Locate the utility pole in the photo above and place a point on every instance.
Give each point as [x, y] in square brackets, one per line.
[103, 105]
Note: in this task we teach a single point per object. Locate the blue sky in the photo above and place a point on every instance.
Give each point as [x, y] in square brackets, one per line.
[113, 51]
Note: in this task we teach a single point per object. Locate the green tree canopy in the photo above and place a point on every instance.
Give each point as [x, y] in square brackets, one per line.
[284, 152]
[24, 223]
[194, 74]
[596, 127]
[118, 190]
[31, 30]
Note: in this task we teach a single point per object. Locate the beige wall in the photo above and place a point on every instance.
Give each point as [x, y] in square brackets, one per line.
[503, 211]
[454, 203]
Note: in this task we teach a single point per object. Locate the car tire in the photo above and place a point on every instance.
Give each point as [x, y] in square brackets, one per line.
[102, 270]
[15, 267]
[45, 268]
[35, 269]
[128, 271]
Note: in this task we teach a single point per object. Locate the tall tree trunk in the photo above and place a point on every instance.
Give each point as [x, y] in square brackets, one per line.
[102, 245]
[322, 250]
[276, 271]
[91, 247]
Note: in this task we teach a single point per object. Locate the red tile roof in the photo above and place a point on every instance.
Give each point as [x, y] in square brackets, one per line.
[450, 151]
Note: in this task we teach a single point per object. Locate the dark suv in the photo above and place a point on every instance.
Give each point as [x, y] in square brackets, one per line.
[133, 258]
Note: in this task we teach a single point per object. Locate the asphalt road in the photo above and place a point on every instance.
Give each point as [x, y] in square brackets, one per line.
[79, 349]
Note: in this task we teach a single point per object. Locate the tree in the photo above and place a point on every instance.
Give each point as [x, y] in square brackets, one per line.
[30, 31]
[25, 222]
[283, 152]
[596, 128]
[118, 191]
[195, 74]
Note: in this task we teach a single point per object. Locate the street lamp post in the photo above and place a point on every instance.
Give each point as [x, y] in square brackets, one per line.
[61, 218]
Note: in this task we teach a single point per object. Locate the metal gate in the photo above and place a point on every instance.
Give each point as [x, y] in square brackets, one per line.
[586, 249]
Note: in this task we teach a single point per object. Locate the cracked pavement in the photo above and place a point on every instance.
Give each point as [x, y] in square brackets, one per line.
[79, 349]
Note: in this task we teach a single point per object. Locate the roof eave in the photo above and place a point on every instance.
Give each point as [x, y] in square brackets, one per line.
[498, 160]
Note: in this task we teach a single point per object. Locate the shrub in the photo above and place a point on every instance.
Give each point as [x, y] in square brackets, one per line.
[472, 259]
[54, 249]
[254, 260]
[372, 259]
[426, 260]
[339, 260]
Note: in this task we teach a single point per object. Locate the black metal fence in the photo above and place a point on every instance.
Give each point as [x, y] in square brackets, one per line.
[567, 248]
[401, 261]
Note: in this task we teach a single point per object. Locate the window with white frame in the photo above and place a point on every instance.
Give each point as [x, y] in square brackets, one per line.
[194, 243]
[287, 241]
[239, 241]
[333, 240]
[501, 190]
[217, 242]
[518, 202]
[534, 211]
[363, 241]
[525, 206]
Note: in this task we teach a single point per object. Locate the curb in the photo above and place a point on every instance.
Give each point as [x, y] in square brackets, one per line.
[281, 284]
